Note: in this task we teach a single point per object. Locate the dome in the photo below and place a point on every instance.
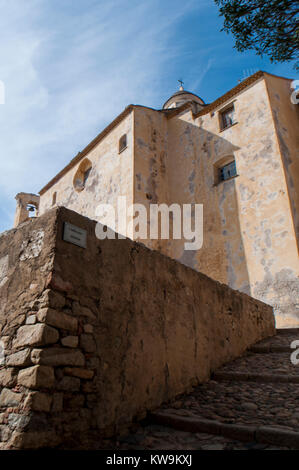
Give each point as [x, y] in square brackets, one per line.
[181, 97]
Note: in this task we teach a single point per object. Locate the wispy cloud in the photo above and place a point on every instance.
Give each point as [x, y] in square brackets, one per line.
[200, 75]
[68, 71]
[70, 67]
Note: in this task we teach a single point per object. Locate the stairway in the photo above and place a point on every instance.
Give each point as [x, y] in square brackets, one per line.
[250, 403]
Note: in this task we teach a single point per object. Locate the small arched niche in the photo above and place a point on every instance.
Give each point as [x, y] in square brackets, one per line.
[81, 175]
[122, 144]
[31, 208]
[54, 198]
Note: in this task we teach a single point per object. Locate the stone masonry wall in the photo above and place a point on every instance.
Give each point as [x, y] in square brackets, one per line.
[95, 337]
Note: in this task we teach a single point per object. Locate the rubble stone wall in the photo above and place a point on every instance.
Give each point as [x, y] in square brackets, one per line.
[95, 337]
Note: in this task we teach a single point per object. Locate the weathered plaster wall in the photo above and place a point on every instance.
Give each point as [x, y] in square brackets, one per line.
[249, 240]
[282, 271]
[110, 177]
[95, 337]
[150, 155]
[193, 150]
[286, 120]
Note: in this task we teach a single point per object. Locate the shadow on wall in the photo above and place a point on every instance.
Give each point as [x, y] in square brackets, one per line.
[197, 170]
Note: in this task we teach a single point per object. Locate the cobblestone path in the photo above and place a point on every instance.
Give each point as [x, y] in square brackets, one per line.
[251, 403]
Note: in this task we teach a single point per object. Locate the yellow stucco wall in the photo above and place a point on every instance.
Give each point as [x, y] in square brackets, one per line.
[257, 227]
[286, 119]
[150, 175]
[110, 177]
[249, 239]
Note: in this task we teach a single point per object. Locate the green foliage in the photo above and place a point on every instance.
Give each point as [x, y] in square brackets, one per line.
[270, 27]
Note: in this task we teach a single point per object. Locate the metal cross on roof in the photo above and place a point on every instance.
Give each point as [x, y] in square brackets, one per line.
[181, 82]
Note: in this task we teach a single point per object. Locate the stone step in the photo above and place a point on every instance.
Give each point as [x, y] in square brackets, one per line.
[241, 403]
[252, 400]
[263, 349]
[151, 437]
[261, 434]
[243, 376]
[279, 343]
[271, 367]
[287, 331]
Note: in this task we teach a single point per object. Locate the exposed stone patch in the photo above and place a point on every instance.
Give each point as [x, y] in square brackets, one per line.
[32, 247]
[31, 320]
[38, 401]
[58, 357]
[36, 377]
[18, 359]
[77, 368]
[3, 270]
[9, 398]
[284, 286]
[80, 373]
[57, 319]
[35, 335]
[7, 377]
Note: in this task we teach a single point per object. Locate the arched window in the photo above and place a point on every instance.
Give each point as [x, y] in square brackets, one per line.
[82, 174]
[227, 117]
[227, 171]
[31, 208]
[122, 143]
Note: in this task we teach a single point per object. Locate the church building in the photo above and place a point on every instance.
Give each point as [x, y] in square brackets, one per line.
[237, 156]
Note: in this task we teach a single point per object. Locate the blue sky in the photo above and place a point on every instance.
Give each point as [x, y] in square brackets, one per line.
[70, 66]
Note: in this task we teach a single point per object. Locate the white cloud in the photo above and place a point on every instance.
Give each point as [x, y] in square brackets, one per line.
[68, 70]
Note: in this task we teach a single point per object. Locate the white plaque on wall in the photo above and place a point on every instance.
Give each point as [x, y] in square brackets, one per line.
[74, 234]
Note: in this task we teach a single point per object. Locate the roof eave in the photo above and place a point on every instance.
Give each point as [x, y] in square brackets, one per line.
[231, 93]
[88, 148]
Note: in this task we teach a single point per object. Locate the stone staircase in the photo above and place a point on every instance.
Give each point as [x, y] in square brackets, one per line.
[250, 403]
